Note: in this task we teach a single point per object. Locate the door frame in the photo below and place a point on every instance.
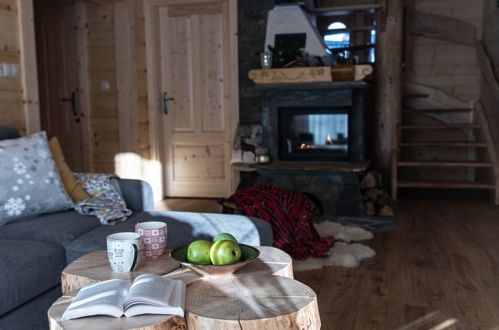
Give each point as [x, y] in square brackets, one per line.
[157, 174]
[29, 72]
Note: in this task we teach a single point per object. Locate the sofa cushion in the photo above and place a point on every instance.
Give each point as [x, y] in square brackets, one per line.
[73, 187]
[27, 268]
[183, 227]
[29, 182]
[8, 132]
[60, 228]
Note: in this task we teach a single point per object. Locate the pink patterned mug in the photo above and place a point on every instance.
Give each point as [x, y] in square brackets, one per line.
[152, 238]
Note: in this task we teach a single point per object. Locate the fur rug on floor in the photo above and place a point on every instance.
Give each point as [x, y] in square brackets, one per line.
[343, 253]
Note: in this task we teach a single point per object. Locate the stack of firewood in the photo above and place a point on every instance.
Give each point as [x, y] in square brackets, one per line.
[377, 201]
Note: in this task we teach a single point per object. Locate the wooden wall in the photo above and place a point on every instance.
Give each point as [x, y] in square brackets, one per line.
[108, 60]
[11, 106]
[103, 103]
[447, 65]
[141, 80]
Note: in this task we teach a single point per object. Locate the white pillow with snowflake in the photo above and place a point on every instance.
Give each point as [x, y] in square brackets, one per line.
[30, 184]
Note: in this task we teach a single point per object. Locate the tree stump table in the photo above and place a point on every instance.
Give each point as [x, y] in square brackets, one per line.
[251, 303]
[94, 267]
[261, 295]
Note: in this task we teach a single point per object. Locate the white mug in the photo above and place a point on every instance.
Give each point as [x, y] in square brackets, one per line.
[123, 251]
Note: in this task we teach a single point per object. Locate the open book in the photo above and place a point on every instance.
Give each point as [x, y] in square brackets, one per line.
[148, 294]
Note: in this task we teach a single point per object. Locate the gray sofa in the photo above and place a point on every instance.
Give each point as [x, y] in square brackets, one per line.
[34, 251]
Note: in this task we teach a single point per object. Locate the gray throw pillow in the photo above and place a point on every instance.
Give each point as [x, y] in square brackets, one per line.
[30, 184]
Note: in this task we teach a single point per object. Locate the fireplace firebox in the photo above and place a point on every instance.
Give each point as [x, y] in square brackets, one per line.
[298, 118]
[314, 133]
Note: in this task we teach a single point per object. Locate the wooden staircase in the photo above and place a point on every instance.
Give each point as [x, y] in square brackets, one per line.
[416, 140]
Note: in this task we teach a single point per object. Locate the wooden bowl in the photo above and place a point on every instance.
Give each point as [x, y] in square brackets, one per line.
[248, 254]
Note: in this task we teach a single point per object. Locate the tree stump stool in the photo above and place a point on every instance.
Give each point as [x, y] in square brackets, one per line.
[271, 261]
[142, 322]
[251, 302]
[94, 267]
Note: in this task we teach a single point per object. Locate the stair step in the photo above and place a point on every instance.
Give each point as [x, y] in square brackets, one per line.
[443, 164]
[455, 144]
[438, 127]
[444, 184]
[409, 110]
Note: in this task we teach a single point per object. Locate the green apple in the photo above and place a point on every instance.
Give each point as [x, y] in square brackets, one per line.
[198, 252]
[224, 237]
[225, 252]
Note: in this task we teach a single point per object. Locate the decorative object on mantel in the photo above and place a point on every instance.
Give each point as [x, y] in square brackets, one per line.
[311, 74]
[266, 60]
[262, 155]
[246, 140]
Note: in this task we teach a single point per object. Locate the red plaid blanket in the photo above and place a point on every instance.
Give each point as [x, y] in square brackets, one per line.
[289, 214]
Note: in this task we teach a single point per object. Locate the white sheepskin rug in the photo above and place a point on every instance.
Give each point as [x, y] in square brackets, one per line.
[343, 253]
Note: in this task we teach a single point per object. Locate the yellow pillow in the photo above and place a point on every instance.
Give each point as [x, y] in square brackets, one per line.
[73, 186]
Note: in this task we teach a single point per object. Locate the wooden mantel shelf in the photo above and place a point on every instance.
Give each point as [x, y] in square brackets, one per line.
[353, 167]
[313, 85]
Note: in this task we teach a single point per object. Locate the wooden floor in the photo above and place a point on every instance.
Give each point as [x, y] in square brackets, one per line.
[439, 269]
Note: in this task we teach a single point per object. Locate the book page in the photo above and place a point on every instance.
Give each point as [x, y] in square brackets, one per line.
[153, 290]
[101, 298]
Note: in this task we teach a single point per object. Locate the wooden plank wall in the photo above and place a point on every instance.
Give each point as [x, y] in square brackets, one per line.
[141, 79]
[100, 41]
[102, 53]
[447, 65]
[103, 103]
[11, 105]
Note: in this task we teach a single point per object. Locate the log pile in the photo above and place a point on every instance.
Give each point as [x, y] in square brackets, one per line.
[377, 201]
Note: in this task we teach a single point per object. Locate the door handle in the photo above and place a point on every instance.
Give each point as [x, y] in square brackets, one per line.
[165, 102]
[74, 105]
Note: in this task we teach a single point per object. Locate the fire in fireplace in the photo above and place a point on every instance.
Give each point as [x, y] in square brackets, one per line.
[314, 133]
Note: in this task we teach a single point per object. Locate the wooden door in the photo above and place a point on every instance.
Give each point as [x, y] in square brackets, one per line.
[197, 95]
[55, 30]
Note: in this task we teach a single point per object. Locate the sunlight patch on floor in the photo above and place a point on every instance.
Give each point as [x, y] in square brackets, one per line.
[444, 325]
[418, 321]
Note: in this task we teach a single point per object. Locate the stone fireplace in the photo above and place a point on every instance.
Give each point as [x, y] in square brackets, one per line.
[331, 178]
[328, 119]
